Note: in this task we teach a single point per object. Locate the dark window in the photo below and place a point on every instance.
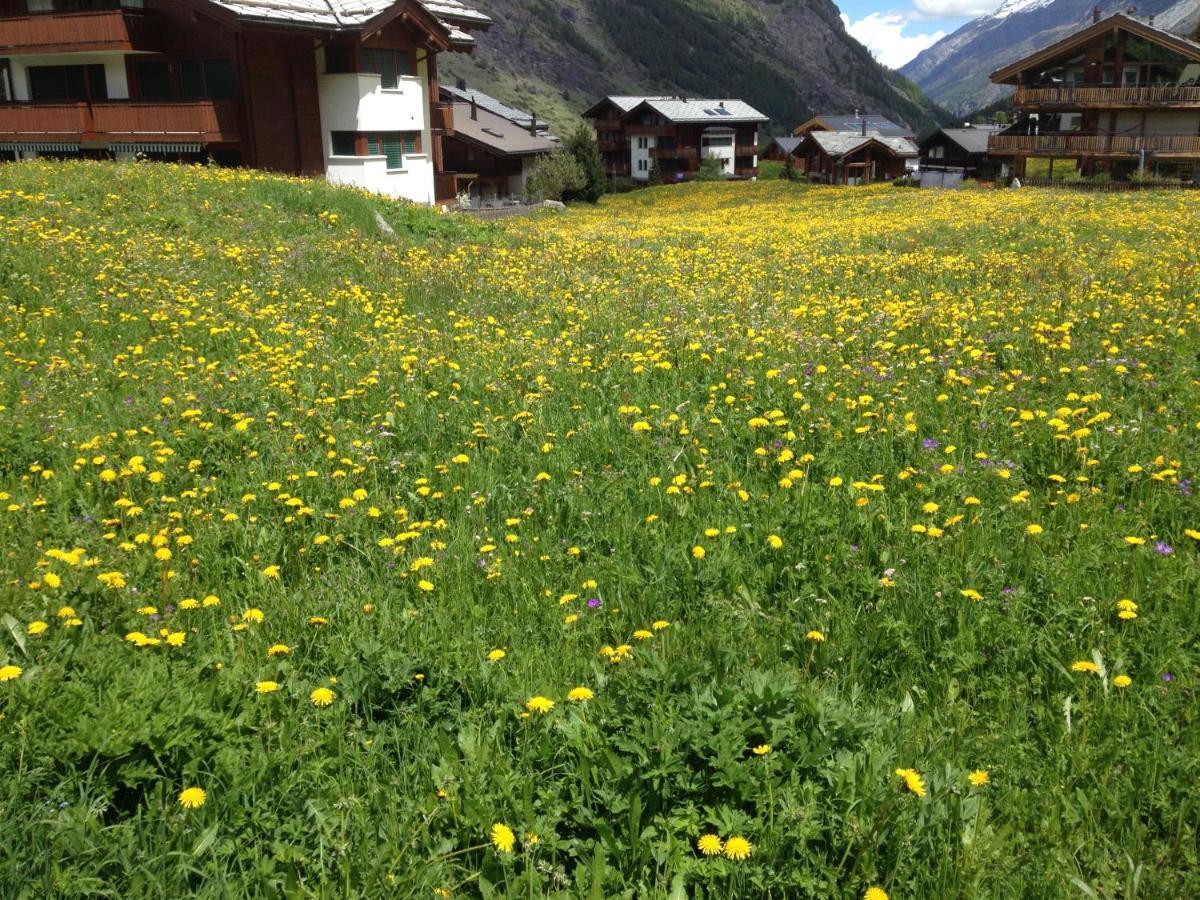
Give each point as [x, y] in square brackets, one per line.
[154, 81]
[339, 60]
[48, 84]
[344, 143]
[388, 64]
[6, 92]
[210, 79]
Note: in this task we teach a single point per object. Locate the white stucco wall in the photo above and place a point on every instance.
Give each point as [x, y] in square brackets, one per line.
[637, 153]
[357, 102]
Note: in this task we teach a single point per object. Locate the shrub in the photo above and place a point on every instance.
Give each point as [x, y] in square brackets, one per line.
[710, 169]
[656, 176]
[556, 176]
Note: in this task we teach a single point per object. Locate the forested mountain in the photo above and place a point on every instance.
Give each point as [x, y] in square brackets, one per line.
[954, 71]
[788, 58]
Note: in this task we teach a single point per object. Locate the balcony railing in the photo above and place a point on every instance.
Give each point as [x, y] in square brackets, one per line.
[94, 30]
[1108, 97]
[1181, 144]
[205, 121]
[650, 130]
[611, 146]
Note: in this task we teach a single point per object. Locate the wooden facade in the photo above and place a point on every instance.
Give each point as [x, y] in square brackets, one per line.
[963, 150]
[194, 77]
[1117, 97]
[842, 158]
[675, 135]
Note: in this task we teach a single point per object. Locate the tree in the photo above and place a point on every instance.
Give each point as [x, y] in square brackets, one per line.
[710, 169]
[555, 176]
[581, 144]
[656, 177]
[788, 172]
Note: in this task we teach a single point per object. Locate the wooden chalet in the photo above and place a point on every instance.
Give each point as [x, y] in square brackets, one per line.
[963, 151]
[849, 158]
[341, 88]
[1118, 96]
[781, 148]
[677, 133]
[855, 122]
[488, 157]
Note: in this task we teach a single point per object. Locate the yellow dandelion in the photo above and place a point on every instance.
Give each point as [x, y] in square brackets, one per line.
[266, 687]
[539, 704]
[710, 845]
[912, 781]
[10, 673]
[580, 695]
[979, 778]
[737, 847]
[503, 838]
[193, 798]
[321, 696]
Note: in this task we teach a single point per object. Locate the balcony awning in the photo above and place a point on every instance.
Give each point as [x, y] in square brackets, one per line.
[156, 148]
[38, 147]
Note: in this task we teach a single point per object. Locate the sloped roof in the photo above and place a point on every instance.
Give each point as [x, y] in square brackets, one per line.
[843, 143]
[495, 133]
[710, 112]
[1047, 54]
[622, 102]
[350, 15]
[484, 101]
[787, 144]
[854, 122]
[972, 140]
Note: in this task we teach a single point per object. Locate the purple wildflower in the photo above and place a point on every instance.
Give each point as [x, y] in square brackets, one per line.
[1163, 548]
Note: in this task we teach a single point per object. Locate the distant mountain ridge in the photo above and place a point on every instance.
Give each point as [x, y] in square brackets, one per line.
[787, 58]
[954, 71]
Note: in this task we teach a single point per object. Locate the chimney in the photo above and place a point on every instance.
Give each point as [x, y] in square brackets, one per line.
[721, 104]
[1095, 15]
[1151, 21]
[474, 109]
[533, 123]
[461, 84]
[864, 127]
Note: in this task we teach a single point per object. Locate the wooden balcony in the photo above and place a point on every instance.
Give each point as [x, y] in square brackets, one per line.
[199, 121]
[1097, 97]
[441, 118]
[1095, 144]
[83, 30]
[746, 150]
[612, 146]
[650, 130]
[674, 153]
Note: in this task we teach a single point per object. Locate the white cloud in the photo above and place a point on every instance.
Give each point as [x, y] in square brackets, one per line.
[882, 34]
[953, 9]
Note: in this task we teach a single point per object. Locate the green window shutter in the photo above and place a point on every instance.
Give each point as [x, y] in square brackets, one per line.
[373, 145]
[393, 149]
[410, 142]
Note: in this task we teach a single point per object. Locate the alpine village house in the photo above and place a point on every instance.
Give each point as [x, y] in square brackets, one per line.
[636, 132]
[1118, 97]
[347, 89]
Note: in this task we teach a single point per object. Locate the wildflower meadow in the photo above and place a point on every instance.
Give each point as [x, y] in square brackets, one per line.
[722, 540]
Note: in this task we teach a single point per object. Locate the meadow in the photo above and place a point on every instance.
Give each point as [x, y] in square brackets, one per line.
[725, 540]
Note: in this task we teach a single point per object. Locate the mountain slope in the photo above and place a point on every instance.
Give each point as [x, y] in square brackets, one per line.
[954, 71]
[788, 58]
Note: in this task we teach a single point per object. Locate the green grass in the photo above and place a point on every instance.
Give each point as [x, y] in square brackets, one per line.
[407, 453]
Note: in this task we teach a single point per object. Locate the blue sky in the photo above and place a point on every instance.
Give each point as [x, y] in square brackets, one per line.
[897, 31]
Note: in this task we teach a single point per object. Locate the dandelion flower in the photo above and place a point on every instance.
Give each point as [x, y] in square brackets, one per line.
[815, 636]
[496, 655]
[10, 673]
[193, 798]
[503, 838]
[875, 893]
[1085, 665]
[580, 695]
[1034, 530]
[541, 705]
[762, 750]
[266, 687]
[36, 628]
[643, 634]
[698, 552]
[660, 625]
[321, 696]
[979, 778]
[1121, 681]
[913, 781]
[738, 847]
[278, 650]
[270, 572]
[775, 542]
[710, 845]
[253, 615]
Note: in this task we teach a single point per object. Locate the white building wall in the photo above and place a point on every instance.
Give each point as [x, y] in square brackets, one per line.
[640, 147]
[358, 102]
[114, 70]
